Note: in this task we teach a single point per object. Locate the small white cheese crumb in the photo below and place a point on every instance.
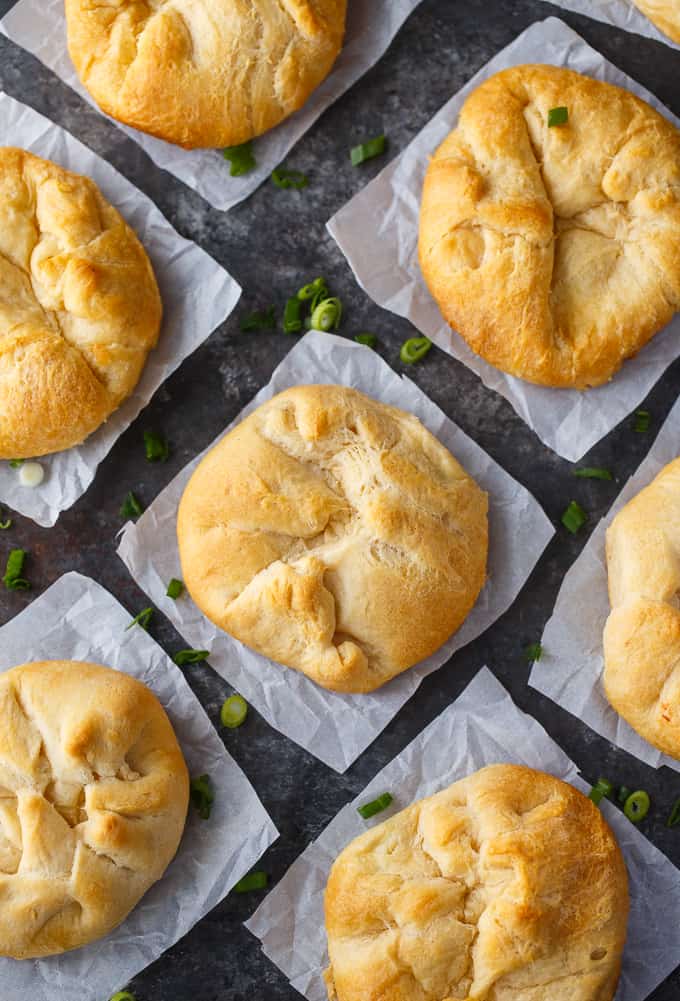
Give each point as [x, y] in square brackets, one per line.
[31, 474]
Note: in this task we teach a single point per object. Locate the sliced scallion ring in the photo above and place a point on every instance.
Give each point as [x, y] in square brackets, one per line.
[234, 711]
[637, 806]
[414, 349]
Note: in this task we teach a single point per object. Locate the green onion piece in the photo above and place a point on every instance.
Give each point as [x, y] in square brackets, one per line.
[326, 316]
[574, 517]
[414, 349]
[202, 795]
[602, 788]
[16, 463]
[241, 158]
[674, 816]
[175, 589]
[156, 447]
[592, 473]
[285, 179]
[253, 881]
[623, 794]
[123, 996]
[641, 422]
[13, 580]
[369, 810]
[263, 319]
[4, 525]
[637, 806]
[558, 116]
[131, 507]
[143, 619]
[234, 711]
[370, 340]
[368, 150]
[313, 289]
[190, 657]
[292, 316]
[533, 652]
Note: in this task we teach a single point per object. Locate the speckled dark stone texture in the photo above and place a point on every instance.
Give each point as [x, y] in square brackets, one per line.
[272, 243]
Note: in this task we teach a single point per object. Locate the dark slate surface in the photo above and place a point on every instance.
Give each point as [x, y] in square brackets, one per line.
[272, 244]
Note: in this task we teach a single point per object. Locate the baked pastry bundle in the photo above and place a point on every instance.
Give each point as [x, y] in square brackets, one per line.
[642, 633]
[554, 251]
[204, 72]
[507, 885]
[665, 14]
[334, 534]
[79, 307]
[93, 800]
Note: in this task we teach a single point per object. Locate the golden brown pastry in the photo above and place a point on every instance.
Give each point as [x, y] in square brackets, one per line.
[665, 14]
[79, 307]
[204, 72]
[93, 800]
[507, 886]
[642, 633]
[554, 251]
[335, 535]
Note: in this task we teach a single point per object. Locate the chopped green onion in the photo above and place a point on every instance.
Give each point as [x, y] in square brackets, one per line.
[326, 316]
[414, 349]
[241, 158]
[156, 447]
[370, 340]
[674, 816]
[292, 316]
[592, 473]
[143, 619]
[369, 810]
[131, 507]
[190, 657]
[175, 589]
[602, 788]
[253, 881]
[285, 179]
[123, 996]
[637, 806]
[558, 116]
[623, 794]
[368, 150]
[202, 795]
[4, 525]
[16, 463]
[234, 711]
[533, 652]
[641, 422]
[13, 580]
[263, 319]
[574, 517]
[311, 291]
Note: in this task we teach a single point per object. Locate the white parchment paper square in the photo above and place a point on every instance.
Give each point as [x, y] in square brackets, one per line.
[77, 619]
[619, 13]
[337, 728]
[571, 666]
[378, 233]
[198, 295]
[482, 727]
[39, 26]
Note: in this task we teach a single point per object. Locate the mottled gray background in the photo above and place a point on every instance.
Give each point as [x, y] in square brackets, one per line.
[272, 244]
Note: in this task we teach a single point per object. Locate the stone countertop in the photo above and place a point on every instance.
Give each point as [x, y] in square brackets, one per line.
[272, 244]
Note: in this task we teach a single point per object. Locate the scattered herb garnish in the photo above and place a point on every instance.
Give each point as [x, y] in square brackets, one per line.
[253, 881]
[131, 507]
[261, 319]
[5, 524]
[314, 291]
[175, 588]
[674, 815]
[13, 580]
[285, 179]
[602, 788]
[414, 349]
[327, 315]
[637, 806]
[16, 463]
[370, 340]
[143, 619]
[574, 517]
[241, 158]
[368, 150]
[202, 795]
[234, 711]
[592, 473]
[641, 422]
[292, 316]
[623, 794]
[369, 810]
[190, 657]
[533, 652]
[558, 116]
[123, 996]
[156, 447]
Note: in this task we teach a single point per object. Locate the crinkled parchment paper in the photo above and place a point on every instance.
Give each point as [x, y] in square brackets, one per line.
[378, 233]
[77, 619]
[571, 666]
[39, 26]
[619, 13]
[482, 727]
[198, 295]
[337, 728]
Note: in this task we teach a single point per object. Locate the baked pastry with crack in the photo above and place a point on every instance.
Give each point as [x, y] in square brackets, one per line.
[93, 800]
[665, 14]
[642, 633]
[204, 72]
[79, 307]
[508, 885]
[334, 534]
[554, 252]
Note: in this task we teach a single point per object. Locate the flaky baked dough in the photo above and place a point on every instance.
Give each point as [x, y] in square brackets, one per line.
[79, 307]
[93, 800]
[204, 72]
[642, 633]
[335, 535]
[665, 14]
[507, 886]
[554, 252]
